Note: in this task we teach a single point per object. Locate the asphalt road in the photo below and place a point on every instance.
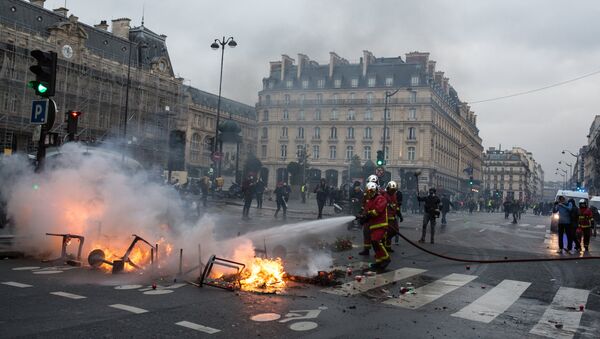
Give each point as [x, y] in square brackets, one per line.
[450, 299]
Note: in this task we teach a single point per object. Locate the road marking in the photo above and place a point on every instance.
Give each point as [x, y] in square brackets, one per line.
[26, 268]
[482, 230]
[68, 295]
[265, 317]
[493, 303]
[16, 284]
[369, 283]
[47, 272]
[524, 225]
[198, 327]
[540, 226]
[430, 292]
[564, 310]
[304, 326]
[129, 308]
[128, 287]
[158, 292]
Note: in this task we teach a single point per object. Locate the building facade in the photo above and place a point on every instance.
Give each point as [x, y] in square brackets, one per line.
[513, 174]
[590, 157]
[334, 112]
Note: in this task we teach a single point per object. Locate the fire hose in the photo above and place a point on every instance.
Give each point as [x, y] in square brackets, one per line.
[494, 261]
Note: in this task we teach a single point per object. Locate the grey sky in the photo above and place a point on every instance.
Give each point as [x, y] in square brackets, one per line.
[487, 49]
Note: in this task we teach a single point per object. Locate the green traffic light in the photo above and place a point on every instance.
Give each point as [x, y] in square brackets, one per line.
[41, 88]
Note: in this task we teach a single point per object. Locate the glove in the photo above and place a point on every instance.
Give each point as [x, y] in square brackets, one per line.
[372, 213]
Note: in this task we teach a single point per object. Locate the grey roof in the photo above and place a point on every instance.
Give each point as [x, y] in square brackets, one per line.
[203, 98]
[27, 17]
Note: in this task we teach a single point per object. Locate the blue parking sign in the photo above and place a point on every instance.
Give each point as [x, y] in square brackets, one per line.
[39, 111]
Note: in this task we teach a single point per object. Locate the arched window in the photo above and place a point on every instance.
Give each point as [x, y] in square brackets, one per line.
[196, 142]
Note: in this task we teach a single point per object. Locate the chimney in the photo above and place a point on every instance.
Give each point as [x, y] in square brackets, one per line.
[303, 60]
[275, 66]
[39, 3]
[102, 25]
[61, 11]
[421, 58]
[430, 69]
[438, 77]
[445, 85]
[335, 59]
[120, 28]
[367, 59]
[286, 63]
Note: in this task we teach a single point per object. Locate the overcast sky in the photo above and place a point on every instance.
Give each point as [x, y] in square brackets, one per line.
[487, 49]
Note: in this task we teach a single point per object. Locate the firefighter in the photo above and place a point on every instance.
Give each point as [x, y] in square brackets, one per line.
[584, 224]
[375, 215]
[365, 227]
[393, 210]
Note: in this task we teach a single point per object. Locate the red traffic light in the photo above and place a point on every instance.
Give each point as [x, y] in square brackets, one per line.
[75, 114]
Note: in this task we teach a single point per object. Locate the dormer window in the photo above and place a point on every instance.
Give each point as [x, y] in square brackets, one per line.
[371, 82]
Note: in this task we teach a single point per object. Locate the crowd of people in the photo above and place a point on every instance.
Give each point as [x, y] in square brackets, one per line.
[576, 222]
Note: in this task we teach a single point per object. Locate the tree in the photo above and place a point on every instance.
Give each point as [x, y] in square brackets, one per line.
[356, 169]
[368, 168]
[252, 164]
[295, 170]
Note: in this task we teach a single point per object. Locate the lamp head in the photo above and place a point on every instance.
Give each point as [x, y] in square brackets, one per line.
[232, 43]
[214, 45]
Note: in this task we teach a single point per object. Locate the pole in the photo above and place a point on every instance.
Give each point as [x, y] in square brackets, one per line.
[218, 162]
[457, 172]
[387, 95]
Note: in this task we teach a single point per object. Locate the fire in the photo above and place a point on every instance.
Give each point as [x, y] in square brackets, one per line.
[139, 256]
[263, 275]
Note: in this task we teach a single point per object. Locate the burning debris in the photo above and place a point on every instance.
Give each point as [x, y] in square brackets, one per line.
[97, 257]
[68, 259]
[323, 278]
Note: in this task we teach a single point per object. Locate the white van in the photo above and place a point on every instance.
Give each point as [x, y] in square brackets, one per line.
[575, 195]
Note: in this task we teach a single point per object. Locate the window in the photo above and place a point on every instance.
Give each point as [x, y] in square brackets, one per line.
[386, 133]
[414, 80]
[412, 133]
[301, 100]
[263, 151]
[284, 132]
[318, 115]
[196, 142]
[300, 151]
[387, 115]
[321, 83]
[286, 115]
[354, 82]
[368, 134]
[317, 134]
[334, 99]
[389, 81]
[334, 114]
[351, 97]
[268, 99]
[300, 132]
[332, 152]
[367, 153]
[319, 98]
[411, 153]
[286, 99]
[369, 98]
[368, 115]
[304, 84]
[371, 82]
[351, 115]
[315, 152]
[337, 83]
[412, 97]
[350, 134]
[412, 114]
[265, 115]
[301, 115]
[289, 83]
[349, 152]
[333, 133]
[265, 133]
[270, 85]
[284, 151]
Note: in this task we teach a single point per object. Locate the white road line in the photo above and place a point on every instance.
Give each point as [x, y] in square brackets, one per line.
[68, 295]
[16, 284]
[540, 226]
[524, 225]
[482, 230]
[369, 283]
[430, 292]
[564, 310]
[197, 327]
[129, 308]
[495, 302]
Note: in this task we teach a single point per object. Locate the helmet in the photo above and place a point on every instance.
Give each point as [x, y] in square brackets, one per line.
[582, 202]
[371, 186]
[391, 185]
[373, 178]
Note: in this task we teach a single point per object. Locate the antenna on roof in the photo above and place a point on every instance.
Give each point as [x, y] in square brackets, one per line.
[143, 8]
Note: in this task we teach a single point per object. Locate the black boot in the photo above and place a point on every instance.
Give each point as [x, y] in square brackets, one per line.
[364, 252]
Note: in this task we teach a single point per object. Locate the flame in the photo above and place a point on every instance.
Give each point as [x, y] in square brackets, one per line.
[263, 275]
[139, 256]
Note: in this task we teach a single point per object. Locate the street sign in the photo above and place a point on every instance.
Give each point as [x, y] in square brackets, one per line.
[39, 111]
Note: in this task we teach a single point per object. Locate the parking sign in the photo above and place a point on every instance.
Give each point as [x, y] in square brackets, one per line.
[39, 111]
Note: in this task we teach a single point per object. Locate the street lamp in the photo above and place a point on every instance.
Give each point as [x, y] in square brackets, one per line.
[563, 175]
[570, 175]
[216, 45]
[388, 94]
[458, 167]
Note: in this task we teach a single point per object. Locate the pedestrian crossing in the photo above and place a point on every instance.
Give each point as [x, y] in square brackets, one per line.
[561, 318]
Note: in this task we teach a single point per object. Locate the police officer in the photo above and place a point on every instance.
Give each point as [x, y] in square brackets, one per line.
[431, 211]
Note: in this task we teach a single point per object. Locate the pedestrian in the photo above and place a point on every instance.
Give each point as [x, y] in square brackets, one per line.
[564, 222]
[573, 227]
[515, 211]
[431, 211]
[280, 198]
[331, 195]
[204, 186]
[585, 221]
[375, 217]
[445, 208]
[303, 193]
[322, 192]
[595, 220]
[248, 190]
[260, 190]
[506, 206]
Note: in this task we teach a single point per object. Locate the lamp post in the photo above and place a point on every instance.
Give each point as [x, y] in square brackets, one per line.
[570, 175]
[563, 175]
[216, 45]
[388, 94]
[460, 148]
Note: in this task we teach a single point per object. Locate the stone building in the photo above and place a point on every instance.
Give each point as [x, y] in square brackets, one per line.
[513, 174]
[336, 111]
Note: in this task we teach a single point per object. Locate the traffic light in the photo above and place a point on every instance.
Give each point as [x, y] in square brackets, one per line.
[45, 73]
[380, 158]
[72, 119]
[471, 180]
